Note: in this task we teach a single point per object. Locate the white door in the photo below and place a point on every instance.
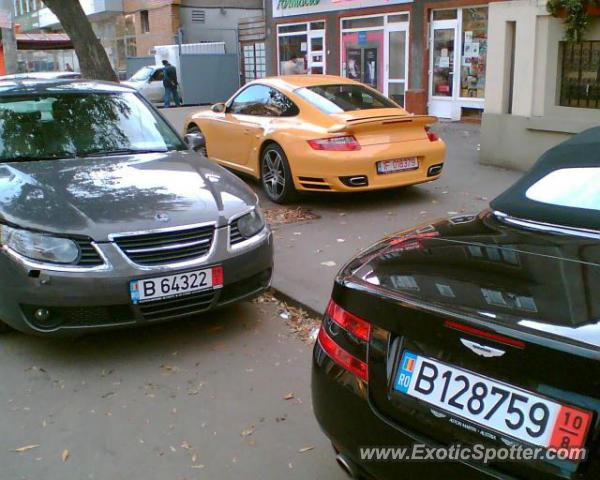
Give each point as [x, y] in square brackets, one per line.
[397, 64]
[443, 69]
[316, 52]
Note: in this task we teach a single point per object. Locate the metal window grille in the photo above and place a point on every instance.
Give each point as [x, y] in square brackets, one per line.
[580, 74]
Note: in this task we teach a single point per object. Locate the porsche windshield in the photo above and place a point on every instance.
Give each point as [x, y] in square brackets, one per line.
[65, 125]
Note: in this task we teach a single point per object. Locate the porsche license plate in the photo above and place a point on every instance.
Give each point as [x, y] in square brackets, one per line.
[399, 165]
[177, 285]
[491, 404]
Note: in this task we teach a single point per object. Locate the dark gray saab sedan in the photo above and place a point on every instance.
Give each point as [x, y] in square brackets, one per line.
[108, 219]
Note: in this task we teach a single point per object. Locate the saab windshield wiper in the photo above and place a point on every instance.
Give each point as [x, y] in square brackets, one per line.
[120, 151]
[29, 158]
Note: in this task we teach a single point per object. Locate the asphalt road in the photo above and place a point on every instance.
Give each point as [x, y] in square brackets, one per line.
[198, 399]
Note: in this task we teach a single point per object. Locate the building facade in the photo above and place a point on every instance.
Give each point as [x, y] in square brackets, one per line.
[132, 28]
[430, 56]
[541, 89]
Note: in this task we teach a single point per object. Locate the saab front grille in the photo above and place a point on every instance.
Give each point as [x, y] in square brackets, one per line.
[177, 307]
[88, 255]
[235, 236]
[160, 248]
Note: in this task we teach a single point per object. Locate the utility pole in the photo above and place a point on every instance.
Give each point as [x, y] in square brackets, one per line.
[9, 41]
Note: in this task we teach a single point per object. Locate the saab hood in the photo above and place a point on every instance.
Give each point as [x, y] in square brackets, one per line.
[96, 197]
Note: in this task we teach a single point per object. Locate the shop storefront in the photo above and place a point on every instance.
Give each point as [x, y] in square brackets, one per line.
[428, 56]
[374, 50]
[458, 56]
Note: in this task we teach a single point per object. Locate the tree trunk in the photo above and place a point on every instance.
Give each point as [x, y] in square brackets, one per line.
[93, 59]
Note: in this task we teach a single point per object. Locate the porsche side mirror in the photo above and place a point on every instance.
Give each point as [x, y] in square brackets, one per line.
[219, 108]
[195, 141]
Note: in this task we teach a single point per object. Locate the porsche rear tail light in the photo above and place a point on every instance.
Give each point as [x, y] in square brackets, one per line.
[345, 143]
[348, 321]
[342, 357]
[355, 330]
[433, 137]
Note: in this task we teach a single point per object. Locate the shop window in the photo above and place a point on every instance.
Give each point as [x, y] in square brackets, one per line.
[362, 57]
[444, 15]
[145, 21]
[301, 48]
[292, 28]
[293, 52]
[400, 18]
[474, 52]
[443, 62]
[364, 22]
[580, 74]
[254, 61]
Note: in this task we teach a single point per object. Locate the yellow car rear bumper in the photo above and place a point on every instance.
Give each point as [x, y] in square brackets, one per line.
[316, 170]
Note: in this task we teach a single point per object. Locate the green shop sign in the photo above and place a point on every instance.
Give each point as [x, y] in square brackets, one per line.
[297, 3]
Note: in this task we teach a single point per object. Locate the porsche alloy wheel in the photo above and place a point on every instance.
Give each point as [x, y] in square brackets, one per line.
[276, 175]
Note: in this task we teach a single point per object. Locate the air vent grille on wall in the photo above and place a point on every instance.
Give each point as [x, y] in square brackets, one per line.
[198, 16]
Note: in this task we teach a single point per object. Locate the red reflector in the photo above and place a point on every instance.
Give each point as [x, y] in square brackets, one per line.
[342, 357]
[482, 333]
[433, 137]
[348, 321]
[336, 144]
[217, 276]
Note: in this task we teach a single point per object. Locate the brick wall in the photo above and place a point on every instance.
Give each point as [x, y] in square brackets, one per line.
[163, 19]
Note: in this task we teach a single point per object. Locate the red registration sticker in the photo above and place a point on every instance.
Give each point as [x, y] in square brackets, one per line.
[570, 429]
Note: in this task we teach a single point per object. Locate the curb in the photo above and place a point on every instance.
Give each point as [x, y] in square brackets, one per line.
[284, 297]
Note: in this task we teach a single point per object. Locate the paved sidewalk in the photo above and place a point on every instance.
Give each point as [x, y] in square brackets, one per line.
[308, 255]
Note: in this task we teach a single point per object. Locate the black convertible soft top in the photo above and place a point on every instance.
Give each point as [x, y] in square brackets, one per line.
[580, 151]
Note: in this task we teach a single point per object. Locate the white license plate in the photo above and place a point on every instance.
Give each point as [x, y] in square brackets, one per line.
[492, 404]
[391, 166]
[177, 285]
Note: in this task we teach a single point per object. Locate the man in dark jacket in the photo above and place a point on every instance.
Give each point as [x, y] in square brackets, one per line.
[170, 83]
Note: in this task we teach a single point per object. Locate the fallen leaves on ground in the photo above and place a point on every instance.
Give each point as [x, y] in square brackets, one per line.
[25, 448]
[329, 263]
[65, 455]
[248, 431]
[300, 322]
[283, 215]
[289, 396]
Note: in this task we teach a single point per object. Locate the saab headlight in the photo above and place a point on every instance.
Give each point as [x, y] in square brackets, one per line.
[39, 246]
[251, 223]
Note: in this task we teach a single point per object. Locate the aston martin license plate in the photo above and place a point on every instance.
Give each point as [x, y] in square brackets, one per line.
[491, 404]
[177, 285]
[399, 165]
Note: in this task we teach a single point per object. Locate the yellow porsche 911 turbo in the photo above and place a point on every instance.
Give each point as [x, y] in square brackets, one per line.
[319, 133]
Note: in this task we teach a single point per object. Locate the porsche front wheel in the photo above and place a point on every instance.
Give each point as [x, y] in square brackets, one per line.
[276, 175]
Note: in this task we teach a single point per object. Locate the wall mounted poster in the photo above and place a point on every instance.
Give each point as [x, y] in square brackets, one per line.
[471, 50]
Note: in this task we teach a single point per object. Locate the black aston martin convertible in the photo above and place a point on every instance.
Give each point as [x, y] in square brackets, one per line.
[478, 333]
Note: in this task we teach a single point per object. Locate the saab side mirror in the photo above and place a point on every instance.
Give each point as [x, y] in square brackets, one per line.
[219, 108]
[195, 141]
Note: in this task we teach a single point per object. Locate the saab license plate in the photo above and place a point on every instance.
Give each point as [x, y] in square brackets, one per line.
[491, 404]
[400, 165]
[180, 284]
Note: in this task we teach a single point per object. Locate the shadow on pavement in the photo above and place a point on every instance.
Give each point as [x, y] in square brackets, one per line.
[144, 342]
